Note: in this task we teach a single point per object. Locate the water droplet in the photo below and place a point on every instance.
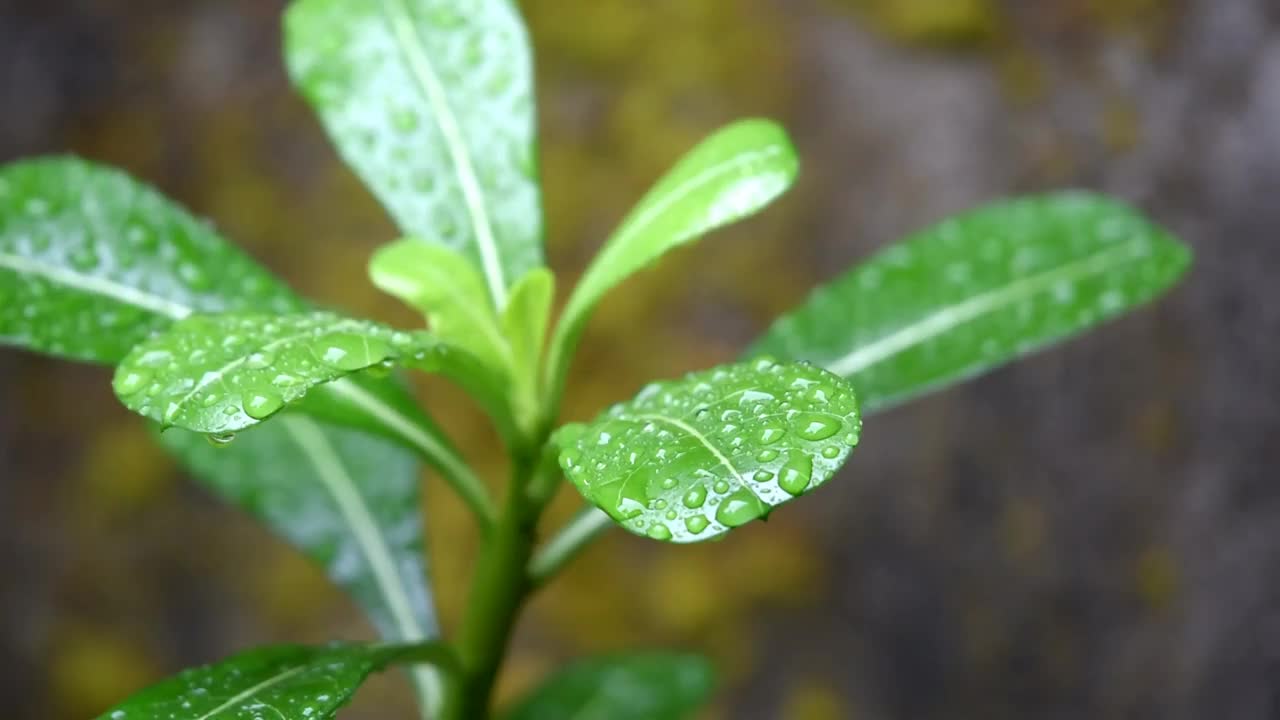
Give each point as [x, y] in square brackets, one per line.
[155, 358]
[629, 508]
[820, 393]
[766, 455]
[259, 360]
[831, 452]
[343, 351]
[695, 497]
[672, 515]
[220, 439]
[771, 433]
[812, 426]
[84, 258]
[796, 473]
[284, 380]
[668, 483]
[721, 486]
[695, 524]
[405, 120]
[193, 276]
[210, 399]
[171, 412]
[658, 531]
[740, 508]
[570, 458]
[131, 382]
[851, 439]
[261, 405]
[660, 503]
[762, 476]
[230, 410]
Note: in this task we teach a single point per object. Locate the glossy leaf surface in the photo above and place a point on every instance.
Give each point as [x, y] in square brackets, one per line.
[346, 499]
[448, 290]
[92, 262]
[690, 459]
[287, 682]
[648, 686]
[978, 290]
[431, 102]
[223, 373]
[732, 174]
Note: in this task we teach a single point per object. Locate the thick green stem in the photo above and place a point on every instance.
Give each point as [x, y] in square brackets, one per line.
[498, 592]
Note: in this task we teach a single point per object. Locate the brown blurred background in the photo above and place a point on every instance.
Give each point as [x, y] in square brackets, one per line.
[1094, 532]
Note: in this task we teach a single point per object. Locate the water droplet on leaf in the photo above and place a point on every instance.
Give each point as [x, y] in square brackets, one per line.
[796, 473]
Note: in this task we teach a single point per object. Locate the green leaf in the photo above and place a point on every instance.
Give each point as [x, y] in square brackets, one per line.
[641, 686]
[977, 291]
[525, 326]
[446, 288]
[346, 499]
[690, 459]
[431, 102]
[92, 262]
[157, 264]
[284, 682]
[223, 373]
[732, 174]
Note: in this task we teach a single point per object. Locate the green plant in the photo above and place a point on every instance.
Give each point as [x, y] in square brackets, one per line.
[294, 414]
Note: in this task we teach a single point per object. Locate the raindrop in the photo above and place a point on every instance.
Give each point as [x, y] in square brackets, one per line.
[343, 351]
[259, 360]
[739, 508]
[220, 439]
[762, 476]
[658, 531]
[695, 524]
[831, 452]
[131, 382]
[770, 434]
[766, 455]
[796, 473]
[660, 504]
[672, 515]
[668, 483]
[261, 405]
[812, 426]
[721, 486]
[629, 508]
[210, 400]
[284, 380]
[695, 497]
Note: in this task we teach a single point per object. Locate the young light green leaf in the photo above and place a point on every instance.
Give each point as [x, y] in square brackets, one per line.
[524, 323]
[446, 288]
[431, 102]
[688, 460]
[732, 174]
[283, 682]
[222, 373]
[977, 291]
[92, 262]
[640, 686]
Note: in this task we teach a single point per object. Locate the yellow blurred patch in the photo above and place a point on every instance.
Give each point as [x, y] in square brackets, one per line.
[93, 668]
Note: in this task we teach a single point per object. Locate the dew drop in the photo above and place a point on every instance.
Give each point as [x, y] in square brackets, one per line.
[570, 458]
[672, 515]
[739, 508]
[660, 504]
[766, 455]
[220, 439]
[259, 360]
[796, 473]
[155, 358]
[284, 380]
[762, 476]
[210, 399]
[812, 426]
[343, 351]
[851, 439]
[658, 531]
[261, 405]
[721, 486]
[668, 483]
[830, 452]
[629, 508]
[770, 434]
[695, 497]
[695, 524]
[131, 382]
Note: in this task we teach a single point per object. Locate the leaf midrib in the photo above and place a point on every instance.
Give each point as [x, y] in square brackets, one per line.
[96, 285]
[409, 42]
[949, 318]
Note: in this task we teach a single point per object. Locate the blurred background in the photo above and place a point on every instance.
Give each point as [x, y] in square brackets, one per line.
[1093, 532]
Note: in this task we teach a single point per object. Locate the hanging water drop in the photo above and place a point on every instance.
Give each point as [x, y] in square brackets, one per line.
[740, 508]
[812, 426]
[796, 473]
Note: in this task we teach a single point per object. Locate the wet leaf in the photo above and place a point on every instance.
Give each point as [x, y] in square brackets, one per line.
[641, 686]
[287, 682]
[690, 459]
[431, 103]
[730, 175]
[977, 291]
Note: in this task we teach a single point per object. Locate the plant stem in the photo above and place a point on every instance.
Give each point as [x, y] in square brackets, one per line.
[572, 539]
[498, 592]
